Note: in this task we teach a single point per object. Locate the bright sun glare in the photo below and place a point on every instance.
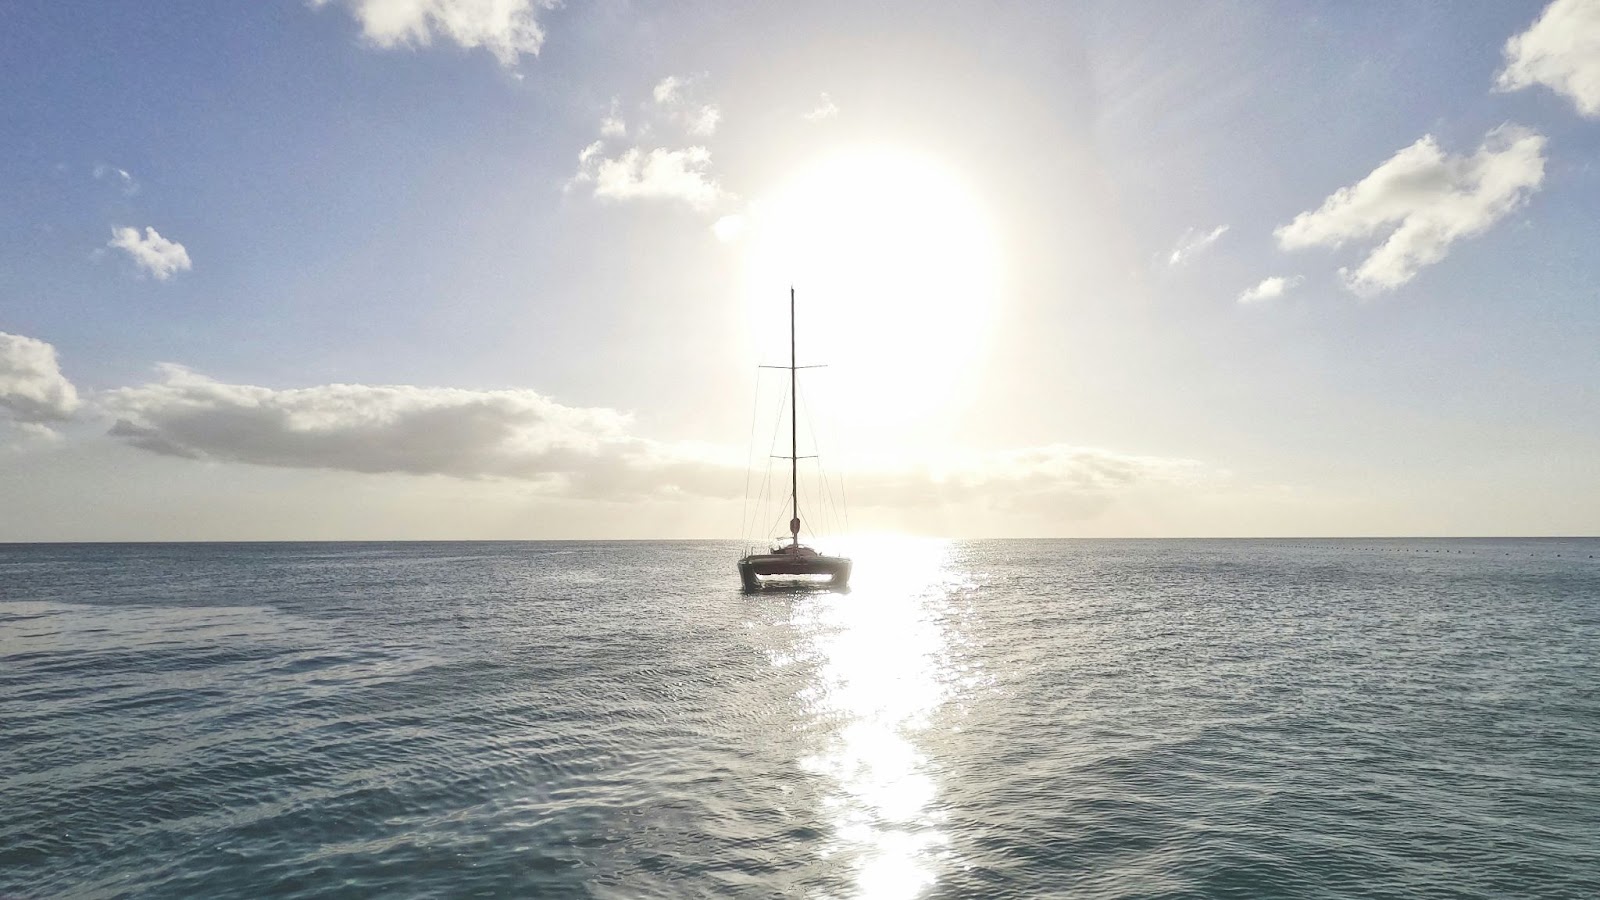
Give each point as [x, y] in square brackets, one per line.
[896, 272]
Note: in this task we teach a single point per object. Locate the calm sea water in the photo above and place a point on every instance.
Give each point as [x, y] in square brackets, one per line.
[1097, 719]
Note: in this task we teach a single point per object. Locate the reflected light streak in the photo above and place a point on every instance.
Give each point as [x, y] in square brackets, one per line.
[883, 670]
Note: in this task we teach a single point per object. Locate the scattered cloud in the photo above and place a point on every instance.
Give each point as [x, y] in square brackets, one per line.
[667, 89]
[1269, 289]
[152, 252]
[32, 389]
[703, 122]
[673, 104]
[1560, 51]
[825, 109]
[1426, 200]
[613, 125]
[619, 172]
[659, 174]
[121, 177]
[1194, 242]
[506, 28]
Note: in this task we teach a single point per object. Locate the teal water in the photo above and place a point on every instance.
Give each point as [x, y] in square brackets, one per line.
[1099, 719]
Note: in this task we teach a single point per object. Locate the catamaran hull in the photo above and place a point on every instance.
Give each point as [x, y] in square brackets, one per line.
[761, 571]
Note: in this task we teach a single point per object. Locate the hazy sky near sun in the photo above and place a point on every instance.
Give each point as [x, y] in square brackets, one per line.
[474, 269]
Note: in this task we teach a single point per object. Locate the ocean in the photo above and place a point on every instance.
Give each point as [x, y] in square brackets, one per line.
[987, 719]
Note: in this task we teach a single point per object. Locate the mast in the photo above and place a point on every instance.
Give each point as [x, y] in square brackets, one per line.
[794, 433]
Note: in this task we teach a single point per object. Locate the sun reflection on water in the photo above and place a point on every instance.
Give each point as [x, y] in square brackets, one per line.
[883, 669]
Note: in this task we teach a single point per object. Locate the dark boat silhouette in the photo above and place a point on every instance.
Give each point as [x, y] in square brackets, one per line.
[793, 564]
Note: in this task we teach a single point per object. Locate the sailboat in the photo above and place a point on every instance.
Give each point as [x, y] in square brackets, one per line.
[793, 563]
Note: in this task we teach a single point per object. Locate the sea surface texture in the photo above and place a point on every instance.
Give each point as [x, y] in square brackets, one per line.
[1096, 719]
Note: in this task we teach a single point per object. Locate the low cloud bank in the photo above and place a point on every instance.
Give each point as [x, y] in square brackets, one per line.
[514, 434]
[1058, 478]
[587, 453]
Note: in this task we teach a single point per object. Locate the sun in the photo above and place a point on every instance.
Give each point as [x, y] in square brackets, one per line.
[897, 274]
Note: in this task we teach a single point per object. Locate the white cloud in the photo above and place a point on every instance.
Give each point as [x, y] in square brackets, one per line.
[122, 178]
[506, 28]
[153, 253]
[621, 173]
[1269, 289]
[703, 122]
[32, 388]
[1427, 201]
[671, 95]
[825, 109]
[1193, 243]
[512, 434]
[666, 90]
[660, 174]
[1560, 51]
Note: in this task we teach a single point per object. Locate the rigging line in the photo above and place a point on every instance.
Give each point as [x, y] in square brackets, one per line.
[827, 493]
[761, 500]
[822, 471]
[833, 508]
[777, 425]
[828, 516]
[842, 501]
[749, 454]
[812, 499]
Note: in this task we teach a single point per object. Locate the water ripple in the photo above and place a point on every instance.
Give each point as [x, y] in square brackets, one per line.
[1006, 720]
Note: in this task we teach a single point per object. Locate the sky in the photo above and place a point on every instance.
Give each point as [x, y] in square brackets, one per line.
[462, 269]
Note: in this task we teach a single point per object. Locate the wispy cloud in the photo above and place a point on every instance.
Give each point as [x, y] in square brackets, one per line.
[1194, 242]
[613, 125]
[1269, 289]
[1561, 51]
[674, 104]
[825, 109]
[1052, 476]
[703, 122]
[32, 389]
[121, 177]
[161, 257]
[1426, 200]
[506, 28]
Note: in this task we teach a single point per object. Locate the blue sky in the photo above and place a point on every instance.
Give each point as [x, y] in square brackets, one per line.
[1070, 216]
